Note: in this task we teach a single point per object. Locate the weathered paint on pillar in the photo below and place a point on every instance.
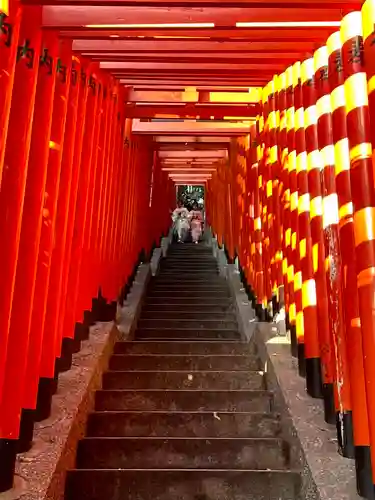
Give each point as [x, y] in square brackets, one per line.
[363, 195]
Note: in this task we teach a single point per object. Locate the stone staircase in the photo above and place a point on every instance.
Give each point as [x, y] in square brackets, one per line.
[184, 412]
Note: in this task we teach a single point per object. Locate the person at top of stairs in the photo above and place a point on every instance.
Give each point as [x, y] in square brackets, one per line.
[180, 218]
[196, 220]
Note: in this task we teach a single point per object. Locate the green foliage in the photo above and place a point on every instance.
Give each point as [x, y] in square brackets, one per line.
[188, 194]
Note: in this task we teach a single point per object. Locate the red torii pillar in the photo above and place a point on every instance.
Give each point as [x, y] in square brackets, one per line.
[12, 199]
[19, 340]
[40, 318]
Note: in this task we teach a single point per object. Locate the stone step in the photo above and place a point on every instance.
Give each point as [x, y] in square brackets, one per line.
[185, 273]
[178, 379]
[166, 281]
[184, 400]
[199, 324]
[200, 347]
[182, 485]
[188, 285]
[182, 453]
[188, 266]
[184, 308]
[195, 362]
[183, 424]
[203, 301]
[189, 248]
[186, 333]
[186, 261]
[188, 293]
[189, 315]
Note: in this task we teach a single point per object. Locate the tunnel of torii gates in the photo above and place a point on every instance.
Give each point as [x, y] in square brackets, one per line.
[87, 182]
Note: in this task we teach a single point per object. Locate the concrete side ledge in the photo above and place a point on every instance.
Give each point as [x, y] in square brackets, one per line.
[40, 473]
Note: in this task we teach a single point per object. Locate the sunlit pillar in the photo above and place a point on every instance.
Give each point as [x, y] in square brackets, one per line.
[316, 211]
[309, 298]
[349, 282]
[363, 195]
[334, 276]
[294, 271]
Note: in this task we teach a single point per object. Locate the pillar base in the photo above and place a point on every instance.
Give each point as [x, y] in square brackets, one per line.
[293, 341]
[25, 439]
[363, 470]
[314, 378]
[98, 308]
[329, 404]
[260, 312]
[275, 306]
[88, 318]
[68, 348]
[44, 399]
[301, 359]
[81, 332]
[287, 323]
[122, 296]
[8, 454]
[344, 426]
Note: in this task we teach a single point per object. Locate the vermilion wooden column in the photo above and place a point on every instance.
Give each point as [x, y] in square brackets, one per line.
[120, 257]
[119, 216]
[36, 338]
[326, 347]
[41, 314]
[84, 297]
[289, 116]
[347, 248]
[10, 21]
[99, 303]
[12, 197]
[267, 216]
[278, 298]
[294, 274]
[126, 238]
[98, 197]
[363, 196]
[334, 276]
[103, 243]
[258, 239]
[117, 196]
[316, 212]
[76, 167]
[309, 299]
[109, 211]
[285, 195]
[67, 345]
[19, 343]
[55, 298]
